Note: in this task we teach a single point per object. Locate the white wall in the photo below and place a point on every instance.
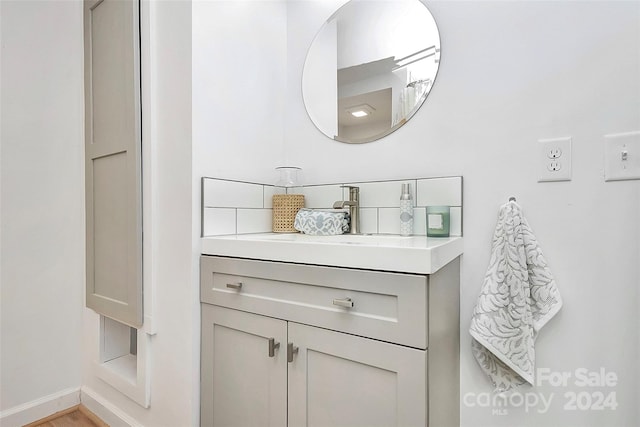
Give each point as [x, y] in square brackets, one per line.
[511, 73]
[42, 214]
[239, 76]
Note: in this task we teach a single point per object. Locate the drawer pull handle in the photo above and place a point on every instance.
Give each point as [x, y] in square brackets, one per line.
[291, 350]
[273, 346]
[343, 302]
[236, 286]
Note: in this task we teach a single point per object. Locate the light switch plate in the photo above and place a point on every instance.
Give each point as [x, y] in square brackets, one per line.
[622, 156]
[554, 159]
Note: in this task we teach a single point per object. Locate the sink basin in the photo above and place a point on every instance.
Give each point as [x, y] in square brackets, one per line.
[347, 239]
[387, 252]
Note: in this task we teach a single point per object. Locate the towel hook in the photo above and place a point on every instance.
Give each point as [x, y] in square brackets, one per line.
[512, 199]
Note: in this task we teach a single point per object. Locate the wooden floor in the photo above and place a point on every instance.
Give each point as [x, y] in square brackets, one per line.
[78, 416]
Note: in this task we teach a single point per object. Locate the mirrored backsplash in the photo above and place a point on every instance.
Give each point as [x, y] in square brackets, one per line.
[238, 207]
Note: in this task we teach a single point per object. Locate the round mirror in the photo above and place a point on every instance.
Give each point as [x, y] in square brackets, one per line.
[370, 68]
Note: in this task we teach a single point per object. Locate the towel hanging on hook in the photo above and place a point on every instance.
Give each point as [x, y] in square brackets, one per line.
[518, 297]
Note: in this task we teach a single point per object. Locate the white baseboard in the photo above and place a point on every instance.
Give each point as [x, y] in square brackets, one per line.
[40, 408]
[65, 399]
[105, 410]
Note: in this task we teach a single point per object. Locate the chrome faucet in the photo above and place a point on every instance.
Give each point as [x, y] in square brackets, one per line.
[354, 208]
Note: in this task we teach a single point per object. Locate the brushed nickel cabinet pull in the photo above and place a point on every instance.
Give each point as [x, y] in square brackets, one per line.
[291, 350]
[343, 302]
[273, 346]
[237, 286]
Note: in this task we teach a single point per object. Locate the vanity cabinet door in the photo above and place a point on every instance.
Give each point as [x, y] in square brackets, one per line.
[243, 369]
[337, 380]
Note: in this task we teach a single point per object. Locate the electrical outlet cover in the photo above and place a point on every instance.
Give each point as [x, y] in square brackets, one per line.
[622, 156]
[554, 159]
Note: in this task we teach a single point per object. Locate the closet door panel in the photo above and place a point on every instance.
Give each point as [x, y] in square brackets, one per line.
[113, 159]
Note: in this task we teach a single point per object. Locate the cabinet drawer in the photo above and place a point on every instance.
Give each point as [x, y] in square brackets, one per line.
[390, 307]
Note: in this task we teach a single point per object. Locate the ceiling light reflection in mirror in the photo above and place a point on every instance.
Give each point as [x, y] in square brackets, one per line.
[370, 68]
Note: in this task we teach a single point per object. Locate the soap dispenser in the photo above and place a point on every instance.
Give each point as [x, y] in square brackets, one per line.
[406, 211]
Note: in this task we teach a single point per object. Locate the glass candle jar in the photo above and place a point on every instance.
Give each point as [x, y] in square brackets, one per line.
[438, 220]
[289, 176]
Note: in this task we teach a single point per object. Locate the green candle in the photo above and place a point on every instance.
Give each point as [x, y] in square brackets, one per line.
[438, 221]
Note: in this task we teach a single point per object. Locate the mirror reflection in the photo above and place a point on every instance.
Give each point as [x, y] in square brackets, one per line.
[370, 68]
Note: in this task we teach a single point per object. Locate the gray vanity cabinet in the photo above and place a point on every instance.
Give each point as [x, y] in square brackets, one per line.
[297, 345]
[243, 384]
[344, 380]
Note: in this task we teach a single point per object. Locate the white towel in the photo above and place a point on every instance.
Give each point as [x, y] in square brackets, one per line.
[518, 296]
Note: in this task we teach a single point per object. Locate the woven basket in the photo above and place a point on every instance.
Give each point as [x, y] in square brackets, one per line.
[285, 208]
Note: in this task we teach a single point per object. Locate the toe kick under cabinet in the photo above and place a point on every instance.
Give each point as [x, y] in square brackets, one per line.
[303, 345]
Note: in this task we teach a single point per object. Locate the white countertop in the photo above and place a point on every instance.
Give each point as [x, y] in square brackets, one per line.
[413, 254]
